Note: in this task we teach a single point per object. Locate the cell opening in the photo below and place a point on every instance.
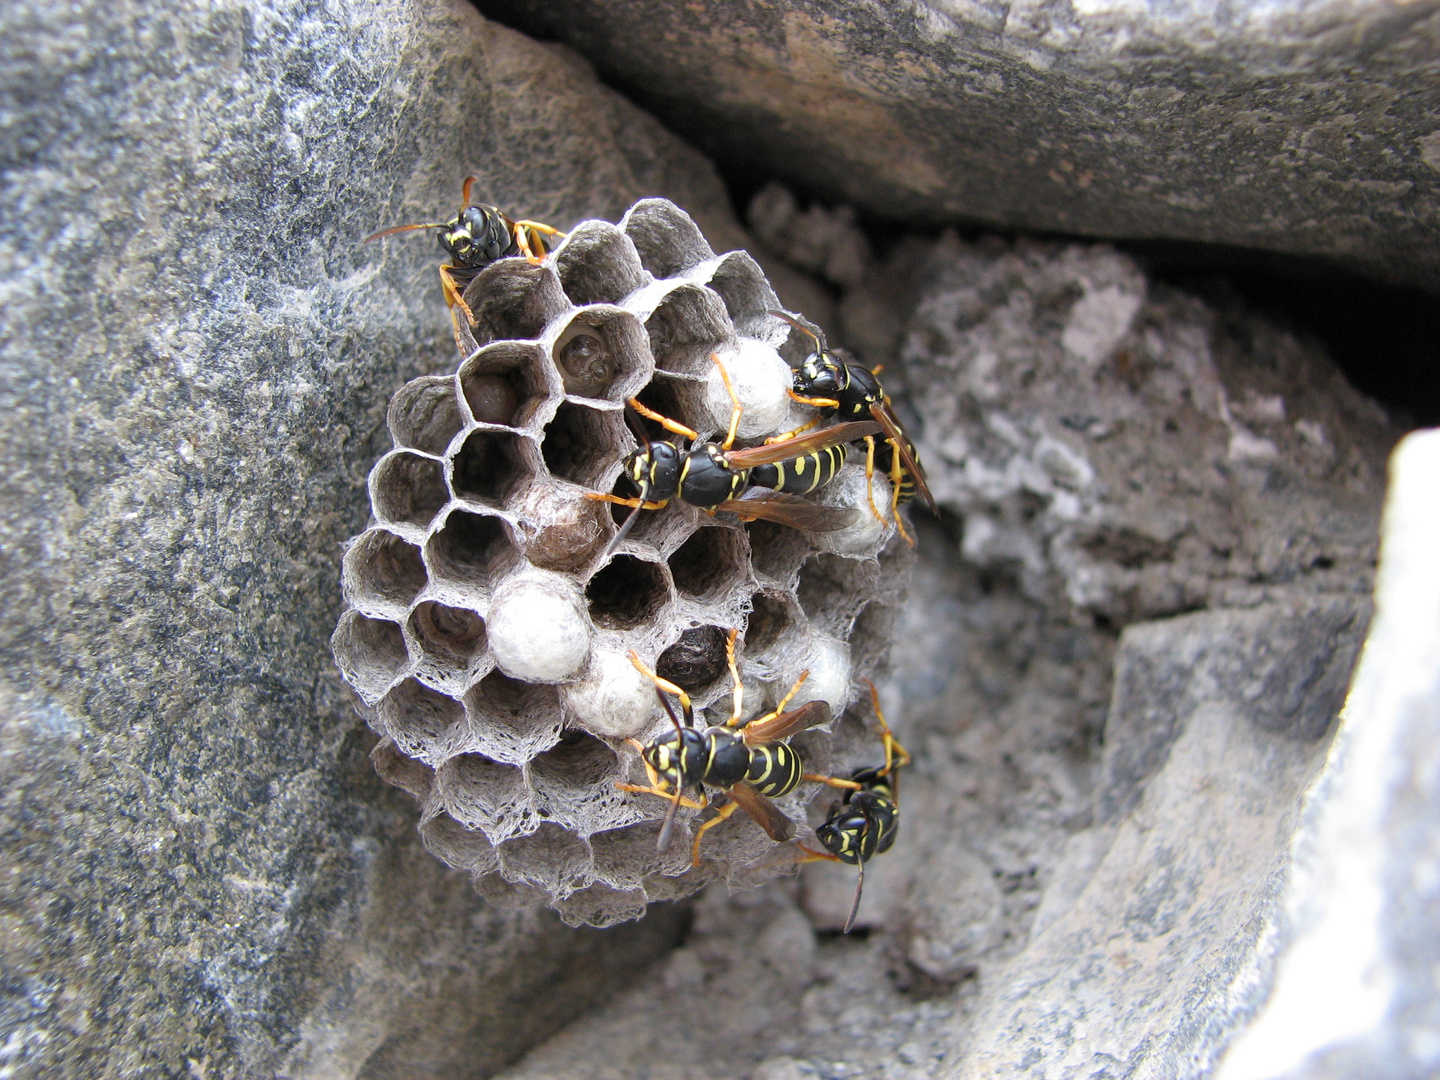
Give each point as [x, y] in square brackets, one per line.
[665, 398]
[666, 239]
[685, 328]
[775, 550]
[370, 652]
[578, 761]
[747, 295]
[469, 547]
[485, 794]
[489, 468]
[424, 414]
[706, 564]
[603, 353]
[454, 636]
[625, 593]
[552, 857]
[770, 620]
[381, 566]
[579, 445]
[513, 299]
[408, 489]
[831, 592]
[459, 847]
[424, 723]
[505, 383]
[696, 660]
[411, 776]
[874, 631]
[598, 264]
[516, 720]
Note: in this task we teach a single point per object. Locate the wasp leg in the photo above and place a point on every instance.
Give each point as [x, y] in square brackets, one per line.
[870, 478]
[811, 855]
[896, 472]
[452, 294]
[818, 402]
[723, 814]
[893, 749]
[734, 721]
[672, 426]
[739, 692]
[792, 434]
[599, 496]
[736, 409]
[833, 781]
[666, 685]
[663, 791]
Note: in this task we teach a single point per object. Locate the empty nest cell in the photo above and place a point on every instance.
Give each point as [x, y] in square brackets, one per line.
[370, 652]
[551, 857]
[394, 767]
[470, 549]
[490, 467]
[407, 489]
[424, 414]
[685, 328]
[833, 590]
[514, 720]
[422, 722]
[507, 383]
[748, 296]
[598, 264]
[452, 638]
[382, 570]
[581, 444]
[770, 621]
[464, 849]
[709, 565]
[514, 299]
[481, 793]
[666, 239]
[627, 592]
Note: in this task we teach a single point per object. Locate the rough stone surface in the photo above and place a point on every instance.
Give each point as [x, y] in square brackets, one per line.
[1295, 127]
[1133, 452]
[202, 876]
[1355, 986]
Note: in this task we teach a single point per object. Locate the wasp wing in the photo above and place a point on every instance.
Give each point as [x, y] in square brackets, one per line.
[770, 453]
[885, 416]
[789, 510]
[766, 814]
[811, 714]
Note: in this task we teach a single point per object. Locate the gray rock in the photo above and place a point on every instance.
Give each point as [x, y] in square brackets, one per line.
[1356, 987]
[1298, 128]
[1129, 451]
[203, 875]
[1142, 963]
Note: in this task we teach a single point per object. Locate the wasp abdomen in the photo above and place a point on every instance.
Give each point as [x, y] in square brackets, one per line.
[773, 770]
[801, 475]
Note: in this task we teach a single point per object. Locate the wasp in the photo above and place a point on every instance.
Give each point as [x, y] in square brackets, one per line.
[864, 822]
[746, 760]
[854, 393]
[715, 477]
[475, 237]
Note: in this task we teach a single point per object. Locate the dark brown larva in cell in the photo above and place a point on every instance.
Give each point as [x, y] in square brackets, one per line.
[586, 365]
[696, 660]
[492, 399]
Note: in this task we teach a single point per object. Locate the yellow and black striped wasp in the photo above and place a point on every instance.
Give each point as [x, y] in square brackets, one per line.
[715, 477]
[865, 821]
[854, 393]
[745, 759]
[475, 237]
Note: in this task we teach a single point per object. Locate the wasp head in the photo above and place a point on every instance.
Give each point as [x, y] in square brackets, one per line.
[477, 236]
[678, 757]
[654, 469]
[821, 375]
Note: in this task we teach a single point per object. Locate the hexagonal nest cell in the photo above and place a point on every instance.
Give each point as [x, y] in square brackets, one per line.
[488, 479]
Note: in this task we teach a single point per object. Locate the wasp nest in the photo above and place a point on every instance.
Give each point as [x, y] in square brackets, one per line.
[488, 634]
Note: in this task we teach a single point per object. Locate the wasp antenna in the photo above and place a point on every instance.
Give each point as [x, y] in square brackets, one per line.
[805, 326]
[465, 190]
[403, 228]
[664, 701]
[855, 906]
[624, 529]
[666, 829]
[633, 419]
